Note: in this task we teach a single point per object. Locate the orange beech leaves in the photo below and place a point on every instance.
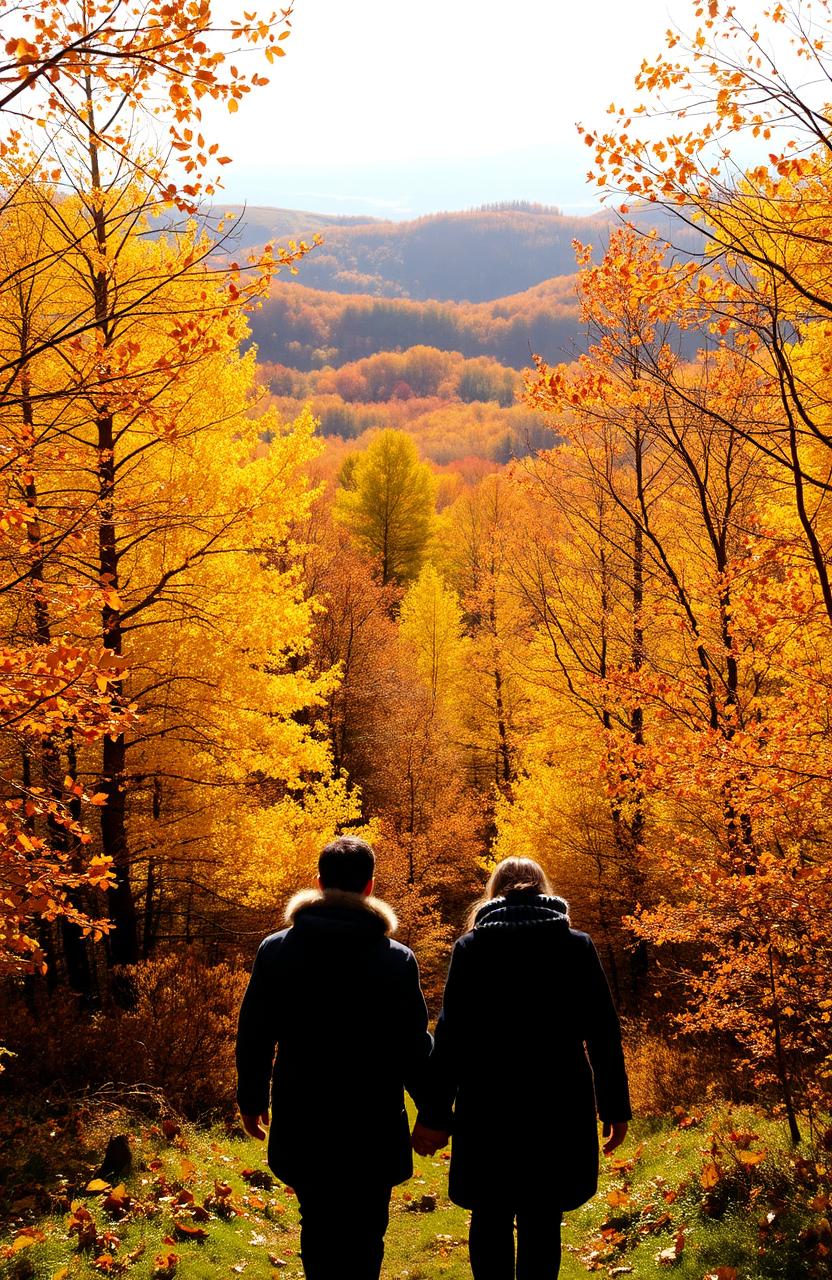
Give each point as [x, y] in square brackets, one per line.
[160, 57]
[683, 649]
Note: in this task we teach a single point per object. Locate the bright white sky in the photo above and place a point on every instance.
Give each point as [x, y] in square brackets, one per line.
[394, 108]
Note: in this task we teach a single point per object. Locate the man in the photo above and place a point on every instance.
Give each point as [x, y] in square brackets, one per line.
[342, 1002]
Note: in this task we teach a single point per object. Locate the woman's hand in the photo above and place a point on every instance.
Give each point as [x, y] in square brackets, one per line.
[426, 1142]
[256, 1125]
[614, 1134]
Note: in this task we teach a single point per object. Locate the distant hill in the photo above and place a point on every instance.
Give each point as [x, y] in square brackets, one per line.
[306, 329]
[424, 325]
[477, 256]
[259, 224]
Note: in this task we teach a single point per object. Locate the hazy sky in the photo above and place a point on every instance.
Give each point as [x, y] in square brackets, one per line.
[393, 108]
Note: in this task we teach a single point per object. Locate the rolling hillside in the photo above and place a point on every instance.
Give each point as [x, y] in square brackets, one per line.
[424, 325]
[476, 256]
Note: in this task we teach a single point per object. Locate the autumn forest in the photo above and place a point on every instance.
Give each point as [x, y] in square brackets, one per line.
[496, 533]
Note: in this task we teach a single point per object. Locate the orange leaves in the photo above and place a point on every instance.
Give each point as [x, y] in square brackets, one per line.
[717, 74]
[45, 691]
[617, 1199]
[185, 1230]
[22, 1239]
[171, 52]
[23, 51]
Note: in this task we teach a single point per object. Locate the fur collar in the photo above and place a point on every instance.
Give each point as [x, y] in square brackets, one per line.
[340, 898]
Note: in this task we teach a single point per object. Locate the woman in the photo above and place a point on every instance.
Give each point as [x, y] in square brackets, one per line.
[528, 1046]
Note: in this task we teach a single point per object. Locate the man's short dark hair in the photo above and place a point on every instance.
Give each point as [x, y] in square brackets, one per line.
[347, 864]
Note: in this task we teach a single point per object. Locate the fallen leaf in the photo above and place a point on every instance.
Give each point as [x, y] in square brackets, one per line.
[667, 1257]
[189, 1232]
[23, 1240]
[617, 1198]
[117, 1202]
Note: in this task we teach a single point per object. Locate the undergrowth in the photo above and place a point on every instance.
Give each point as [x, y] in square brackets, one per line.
[717, 1193]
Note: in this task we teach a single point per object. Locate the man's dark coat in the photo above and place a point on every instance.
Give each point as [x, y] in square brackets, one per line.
[527, 1045]
[342, 1002]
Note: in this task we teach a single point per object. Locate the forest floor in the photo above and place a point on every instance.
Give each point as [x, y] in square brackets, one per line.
[713, 1194]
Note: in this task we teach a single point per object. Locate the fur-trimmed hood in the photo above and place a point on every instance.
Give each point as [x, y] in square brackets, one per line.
[339, 901]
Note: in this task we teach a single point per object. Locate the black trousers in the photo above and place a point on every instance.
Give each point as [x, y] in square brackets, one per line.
[491, 1241]
[342, 1230]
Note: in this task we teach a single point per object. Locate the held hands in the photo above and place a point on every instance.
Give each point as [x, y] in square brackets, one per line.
[614, 1135]
[426, 1142]
[256, 1125]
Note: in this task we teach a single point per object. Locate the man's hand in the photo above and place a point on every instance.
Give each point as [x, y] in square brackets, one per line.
[614, 1135]
[256, 1125]
[426, 1142]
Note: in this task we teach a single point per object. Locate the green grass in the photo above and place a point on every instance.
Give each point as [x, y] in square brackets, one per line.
[766, 1220]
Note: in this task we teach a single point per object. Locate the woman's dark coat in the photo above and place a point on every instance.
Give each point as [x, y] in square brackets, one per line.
[527, 1047]
[342, 1002]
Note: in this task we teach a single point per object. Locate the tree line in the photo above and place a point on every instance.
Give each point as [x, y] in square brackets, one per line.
[306, 328]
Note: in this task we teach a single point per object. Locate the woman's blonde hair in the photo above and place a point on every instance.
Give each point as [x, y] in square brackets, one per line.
[512, 875]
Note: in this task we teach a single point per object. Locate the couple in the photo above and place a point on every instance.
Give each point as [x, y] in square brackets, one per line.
[527, 1049]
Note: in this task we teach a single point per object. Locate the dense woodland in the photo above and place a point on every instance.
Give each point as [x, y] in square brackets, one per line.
[307, 329]
[479, 255]
[582, 613]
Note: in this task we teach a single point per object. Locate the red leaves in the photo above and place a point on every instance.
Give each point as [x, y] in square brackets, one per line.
[82, 1224]
[118, 1202]
[189, 1231]
[171, 1128]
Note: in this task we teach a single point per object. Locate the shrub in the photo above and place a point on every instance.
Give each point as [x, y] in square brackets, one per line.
[666, 1071]
[177, 1036]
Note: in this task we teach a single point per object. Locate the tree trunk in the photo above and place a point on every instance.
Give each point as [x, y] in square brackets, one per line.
[123, 938]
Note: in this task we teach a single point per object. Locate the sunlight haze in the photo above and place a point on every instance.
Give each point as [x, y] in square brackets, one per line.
[396, 109]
